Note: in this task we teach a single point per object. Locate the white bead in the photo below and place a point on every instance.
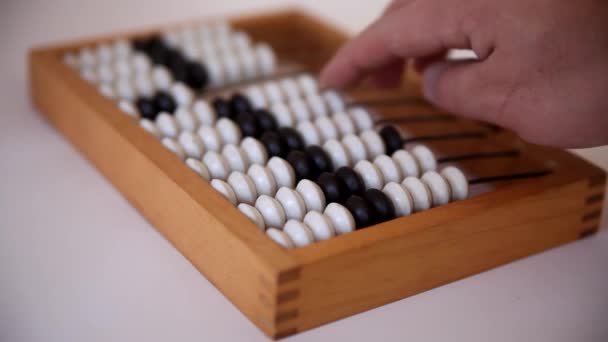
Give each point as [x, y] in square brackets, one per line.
[300, 233]
[167, 125]
[225, 189]
[309, 132]
[355, 147]
[440, 189]
[390, 170]
[327, 128]
[243, 187]
[161, 77]
[271, 210]
[182, 94]
[215, 71]
[317, 105]
[280, 238]
[121, 48]
[128, 108]
[122, 68]
[192, 144]
[216, 164]
[283, 172]
[104, 53]
[204, 113]
[425, 157]
[282, 114]
[401, 199]
[373, 142]
[320, 224]
[337, 153]
[191, 51]
[141, 63]
[125, 89]
[230, 132]
[105, 73]
[232, 67]
[70, 59]
[150, 127]
[87, 57]
[407, 163]
[273, 92]
[459, 185]
[292, 203]
[263, 179]
[144, 84]
[240, 40]
[308, 84]
[256, 97]
[199, 168]
[174, 147]
[300, 110]
[185, 119]
[236, 158]
[421, 195]
[266, 58]
[334, 101]
[312, 195]
[211, 138]
[89, 74]
[107, 90]
[341, 219]
[255, 151]
[248, 63]
[344, 123]
[362, 119]
[290, 88]
[371, 175]
[171, 38]
[253, 214]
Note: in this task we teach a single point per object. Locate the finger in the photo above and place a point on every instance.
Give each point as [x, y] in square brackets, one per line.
[395, 5]
[390, 75]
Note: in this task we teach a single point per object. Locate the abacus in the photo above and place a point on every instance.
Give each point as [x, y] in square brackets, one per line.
[304, 205]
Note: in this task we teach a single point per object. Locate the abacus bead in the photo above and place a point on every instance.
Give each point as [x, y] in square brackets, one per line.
[308, 84]
[182, 94]
[87, 57]
[107, 90]
[272, 211]
[290, 88]
[255, 151]
[371, 175]
[344, 123]
[320, 224]
[225, 189]
[350, 180]
[243, 187]
[215, 70]
[341, 218]
[392, 139]
[121, 48]
[141, 64]
[334, 101]
[312, 195]
[265, 120]
[174, 147]
[229, 131]
[309, 132]
[381, 205]
[283, 115]
[362, 119]
[210, 137]
[198, 167]
[275, 146]
[248, 124]
[263, 179]
[292, 203]
[144, 85]
[256, 96]
[105, 73]
[302, 165]
[317, 105]
[390, 170]
[89, 75]
[146, 108]
[355, 147]
[164, 102]
[222, 108]
[128, 108]
[280, 238]
[300, 233]
[236, 158]
[248, 64]
[197, 75]
[216, 164]
[253, 214]
[292, 138]
[266, 59]
[333, 191]
[319, 158]
[283, 172]
[192, 144]
[203, 112]
[440, 189]
[162, 77]
[401, 199]
[273, 92]
[327, 128]
[186, 120]
[361, 210]
[373, 142]
[407, 163]
[167, 125]
[420, 193]
[337, 153]
[150, 127]
[425, 157]
[240, 104]
[459, 185]
[299, 110]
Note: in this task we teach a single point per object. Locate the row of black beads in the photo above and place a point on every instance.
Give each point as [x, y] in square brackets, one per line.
[150, 107]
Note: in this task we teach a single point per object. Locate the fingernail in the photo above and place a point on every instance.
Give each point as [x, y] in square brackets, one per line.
[430, 79]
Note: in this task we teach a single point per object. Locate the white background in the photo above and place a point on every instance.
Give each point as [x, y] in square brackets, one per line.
[78, 263]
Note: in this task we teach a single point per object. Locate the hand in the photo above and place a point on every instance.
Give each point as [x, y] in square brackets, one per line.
[542, 67]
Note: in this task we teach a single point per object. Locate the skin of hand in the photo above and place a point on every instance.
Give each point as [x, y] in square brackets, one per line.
[541, 71]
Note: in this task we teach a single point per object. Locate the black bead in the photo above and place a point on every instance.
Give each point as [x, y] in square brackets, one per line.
[140, 44]
[331, 187]
[383, 208]
[197, 75]
[240, 104]
[266, 121]
[302, 165]
[248, 124]
[222, 108]
[158, 54]
[164, 102]
[292, 138]
[146, 108]
[275, 146]
[361, 210]
[320, 158]
[350, 180]
[392, 139]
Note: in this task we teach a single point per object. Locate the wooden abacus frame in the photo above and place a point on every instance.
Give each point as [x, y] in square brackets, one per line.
[287, 291]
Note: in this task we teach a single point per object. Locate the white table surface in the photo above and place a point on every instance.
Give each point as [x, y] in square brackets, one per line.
[78, 263]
